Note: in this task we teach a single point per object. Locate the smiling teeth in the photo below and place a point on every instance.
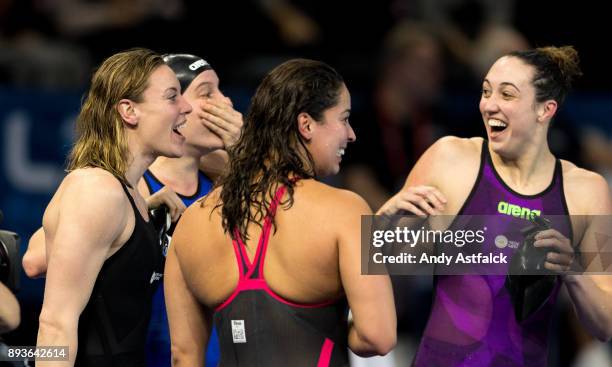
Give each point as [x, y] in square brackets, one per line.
[181, 125]
[340, 152]
[496, 123]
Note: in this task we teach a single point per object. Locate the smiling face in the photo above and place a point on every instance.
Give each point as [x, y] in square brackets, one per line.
[508, 106]
[162, 114]
[204, 88]
[330, 136]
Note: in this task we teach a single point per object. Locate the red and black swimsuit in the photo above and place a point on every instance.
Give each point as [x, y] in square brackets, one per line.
[258, 327]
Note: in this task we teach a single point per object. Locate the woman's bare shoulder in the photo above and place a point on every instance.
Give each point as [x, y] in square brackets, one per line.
[587, 192]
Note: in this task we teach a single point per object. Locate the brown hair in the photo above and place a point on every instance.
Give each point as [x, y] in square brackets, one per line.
[555, 70]
[271, 149]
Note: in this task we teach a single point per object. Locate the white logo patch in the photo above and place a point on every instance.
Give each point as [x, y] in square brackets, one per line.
[238, 333]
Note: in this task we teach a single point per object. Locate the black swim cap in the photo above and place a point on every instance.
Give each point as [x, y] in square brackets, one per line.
[186, 67]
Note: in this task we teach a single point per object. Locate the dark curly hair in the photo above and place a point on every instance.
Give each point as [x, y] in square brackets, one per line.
[271, 150]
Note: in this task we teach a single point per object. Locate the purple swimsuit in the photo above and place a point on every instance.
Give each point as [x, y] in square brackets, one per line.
[472, 322]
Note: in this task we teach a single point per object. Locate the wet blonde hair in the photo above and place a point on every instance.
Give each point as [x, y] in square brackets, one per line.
[101, 139]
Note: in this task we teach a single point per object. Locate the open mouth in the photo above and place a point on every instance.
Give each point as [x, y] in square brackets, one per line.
[496, 126]
[179, 127]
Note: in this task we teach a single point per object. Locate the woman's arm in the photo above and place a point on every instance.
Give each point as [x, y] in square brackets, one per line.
[92, 214]
[592, 294]
[190, 322]
[370, 297]
[9, 310]
[35, 258]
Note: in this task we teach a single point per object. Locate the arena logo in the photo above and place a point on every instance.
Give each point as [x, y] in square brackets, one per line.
[517, 211]
[197, 64]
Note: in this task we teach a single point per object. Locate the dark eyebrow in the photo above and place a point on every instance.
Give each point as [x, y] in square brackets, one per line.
[504, 84]
[510, 84]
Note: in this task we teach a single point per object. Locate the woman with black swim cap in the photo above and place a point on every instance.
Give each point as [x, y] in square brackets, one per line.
[212, 126]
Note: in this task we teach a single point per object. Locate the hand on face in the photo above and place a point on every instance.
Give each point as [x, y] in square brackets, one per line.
[220, 117]
[419, 200]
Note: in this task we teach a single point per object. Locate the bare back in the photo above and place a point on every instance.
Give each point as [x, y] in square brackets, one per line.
[301, 262]
[312, 262]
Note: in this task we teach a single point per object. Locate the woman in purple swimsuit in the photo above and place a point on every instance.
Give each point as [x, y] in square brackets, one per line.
[473, 322]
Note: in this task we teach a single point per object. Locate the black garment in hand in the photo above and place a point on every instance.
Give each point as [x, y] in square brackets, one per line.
[528, 282]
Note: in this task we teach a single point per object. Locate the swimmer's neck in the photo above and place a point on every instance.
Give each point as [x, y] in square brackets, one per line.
[179, 174]
[533, 164]
[176, 166]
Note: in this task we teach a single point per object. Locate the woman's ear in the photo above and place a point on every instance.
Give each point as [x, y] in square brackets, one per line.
[127, 111]
[305, 121]
[547, 110]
